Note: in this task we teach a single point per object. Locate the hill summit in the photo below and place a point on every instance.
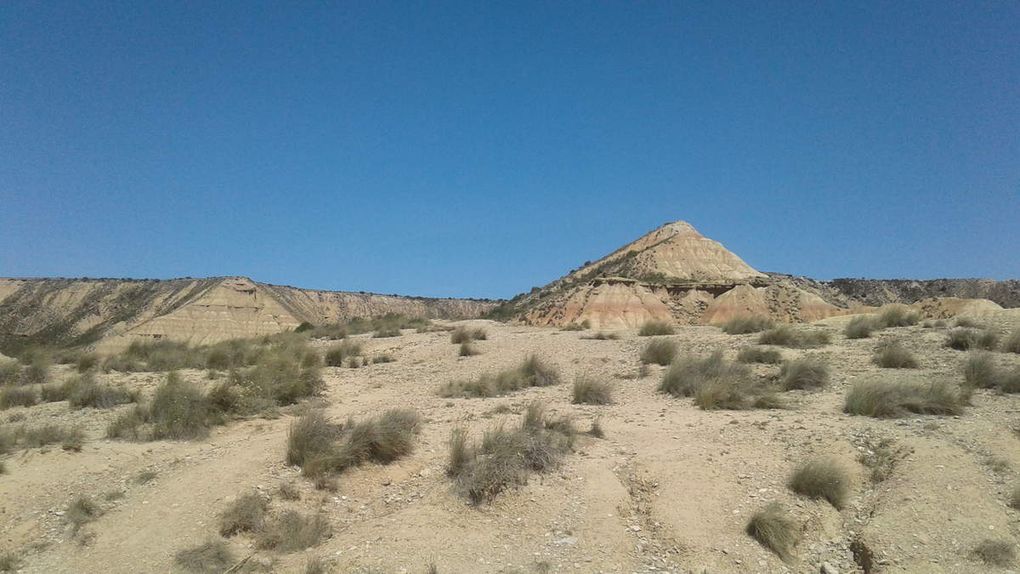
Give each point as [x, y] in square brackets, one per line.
[675, 274]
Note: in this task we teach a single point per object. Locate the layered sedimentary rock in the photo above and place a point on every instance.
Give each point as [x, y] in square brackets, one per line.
[112, 313]
[672, 274]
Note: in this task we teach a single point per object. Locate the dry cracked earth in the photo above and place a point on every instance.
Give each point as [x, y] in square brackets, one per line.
[669, 489]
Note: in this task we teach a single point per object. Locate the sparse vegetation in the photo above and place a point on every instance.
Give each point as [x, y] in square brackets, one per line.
[861, 327]
[319, 447]
[70, 438]
[898, 316]
[468, 350]
[967, 322]
[506, 457]
[9, 562]
[10, 372]
[805, 373]
[822, 478]
[654, 328]
[602, 336]
[889, 399]
[289, 491]
[462, 335]
[787, 336]
[1014, 497]
[1001, 553]
[980, 371]
[292, 531]
[747, 324]
[596, 429]
[533, 372]
[880, 458]
[211, 557]
[246, 514]
[338, 355]
[659, 352]
[81, 511]
[966, 339]
[589, 390]
[774, 529]
[25, 396]
[84, 391]
[716, 383]
[891, 354]
[762, 355]
[1012, 343]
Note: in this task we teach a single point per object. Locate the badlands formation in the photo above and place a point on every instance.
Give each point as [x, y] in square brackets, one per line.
[861, 437]
[677, 275]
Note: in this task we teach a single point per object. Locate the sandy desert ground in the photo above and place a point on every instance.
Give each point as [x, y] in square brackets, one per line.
[669, 489]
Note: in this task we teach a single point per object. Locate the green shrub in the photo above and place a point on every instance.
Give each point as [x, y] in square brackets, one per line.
[786, 336]
[774, 529]
[886, 399]
[806, 373]
[506, 457]
[592, 391]
[965, 339]
[822, 478]
[861, 327]
[659, 352]
[211, 557]
[292, 531]
[759, 355]
[1001, 553]
[24, 396]
[654, 328]
[246, 514]
[891, 354]
[747, 324]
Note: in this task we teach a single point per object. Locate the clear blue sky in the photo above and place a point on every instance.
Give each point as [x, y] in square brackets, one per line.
[476, 149]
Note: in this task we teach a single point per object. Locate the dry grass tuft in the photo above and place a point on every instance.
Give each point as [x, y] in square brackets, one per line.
[716, 383]
[506, 457]
[602, 336]
[659, 352]
[861, 327]
[292, 531]
[888, 399]
[9, 562]
[787, 336]
[966, 339]
[898, 316]
[891, 354]
[1001, 553]
[774, 529]
[246, 514]
[340, 354]
[468, 350]
[654, 328]
[806, 373]
[25, 396]
[212, 557]
[981, 372]
[591, 391]
[747, 324]
[532, 372]
[822, 478]
[462, 335]
[1012, 343]
[596, 429]
[81, 511]
[84, 391]
[321, 448]
[762, 355]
